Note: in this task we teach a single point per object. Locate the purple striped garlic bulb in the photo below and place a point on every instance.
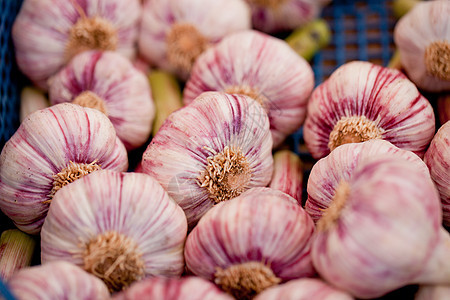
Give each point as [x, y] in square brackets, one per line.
[422, 38]
[211, 151]
[175, 32]
[287, 174]
[383, 231]
[340, 165]
[437, 159]
[282, 15]
[259, 66]
[159, 288]
[52, 148]
[362, 101]
[432, 292]
[304, 289]
[108, 82]
[48, 33]
[55, 281]
[121, 227]
[251, 243]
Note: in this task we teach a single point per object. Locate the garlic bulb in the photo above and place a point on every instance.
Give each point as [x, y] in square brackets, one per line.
[158, 288]
[443, 108]
[108, 82]
[383, 231]
[278, 15]
[437, 159]
[340, 165]
[362, 101]
[262, 67]
[55, 281]
[48, 33]
[252, 242]
[422, 37]
[303, 289]
[175, 32]
[53, 147]
[433, 292]
[287, 174]
[120, 227]
[211, 151]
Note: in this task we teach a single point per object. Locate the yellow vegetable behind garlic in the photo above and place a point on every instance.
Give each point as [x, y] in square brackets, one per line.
[422, 37]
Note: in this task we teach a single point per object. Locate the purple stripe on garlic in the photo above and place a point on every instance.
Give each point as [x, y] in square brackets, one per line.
[362, 101]
[211, 151]
[259, 66]
[174, 32]
[57, 280]
[109, 82]
[51, 148]
[120, 227]
[340, 165]
[437, 159]
[48, 33]
[252, 242]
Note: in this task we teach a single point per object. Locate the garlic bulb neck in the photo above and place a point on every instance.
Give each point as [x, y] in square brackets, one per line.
[115, 259]
[226, 175]
[332, 213]
[353, 129]
[246, 280]
[249, 91]
[91, 100]
[270, 4]
[437, 59]
[184, 44]
[69, 174]
[89, 34]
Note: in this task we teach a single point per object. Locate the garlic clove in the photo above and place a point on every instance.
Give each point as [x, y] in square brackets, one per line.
[211, 151]
[432, 292]
[108, 82]
[303, 289]
[340, 165]
[437, 159]
[422, 37]
[362, 101]
[31, 100]
[42, 156]
[159, 288]
[259, 66]
[57, 280]
[48, 33]
[120, 227]
[251, 242]
[287, 174]
[173, 33]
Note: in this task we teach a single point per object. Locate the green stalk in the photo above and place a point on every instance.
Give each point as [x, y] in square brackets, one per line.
[16, 252]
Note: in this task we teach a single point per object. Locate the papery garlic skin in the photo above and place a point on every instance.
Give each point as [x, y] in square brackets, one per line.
[384, 233]
[31, 100]
[437, 159]
[432, 292]
[262, 67]
[304, 289]
[362, 101]
[340, 164]
[159, 288]
[123, 92]
[262, 226]
[47, 142]
[42, 32]
[422, 37]
[132, 207]
[207, 22]
[198, 138]
[56, 280]
[287, 174]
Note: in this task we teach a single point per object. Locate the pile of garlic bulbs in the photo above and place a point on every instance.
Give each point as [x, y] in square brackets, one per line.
[206, 95]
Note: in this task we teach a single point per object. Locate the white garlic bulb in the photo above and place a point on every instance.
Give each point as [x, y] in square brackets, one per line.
[53, 147]
[362, 101]
[211, 151]
[121, 227]
[259, 66]
[108, 82]
[55, 281]
[422, 38]
[252, 242]
[48, 33]
[175, 32]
